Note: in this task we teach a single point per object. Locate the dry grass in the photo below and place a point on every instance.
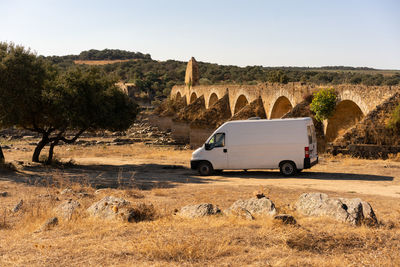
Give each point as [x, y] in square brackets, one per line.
[170, 240]
[163, 239]
[394, 157]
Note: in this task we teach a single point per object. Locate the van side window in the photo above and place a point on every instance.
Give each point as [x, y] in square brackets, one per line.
[217, 140]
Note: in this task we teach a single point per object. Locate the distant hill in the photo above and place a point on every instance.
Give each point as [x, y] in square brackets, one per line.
[99, 62]
[154, 79]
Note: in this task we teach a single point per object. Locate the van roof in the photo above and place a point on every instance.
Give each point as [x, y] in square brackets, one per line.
[272, 120]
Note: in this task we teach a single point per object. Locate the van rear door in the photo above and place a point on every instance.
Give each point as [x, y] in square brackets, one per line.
[312, 141]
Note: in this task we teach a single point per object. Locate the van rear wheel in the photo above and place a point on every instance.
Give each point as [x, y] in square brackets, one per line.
[288, 168]
[205, 168]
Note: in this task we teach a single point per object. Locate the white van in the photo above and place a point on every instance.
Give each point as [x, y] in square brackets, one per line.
[287, 144]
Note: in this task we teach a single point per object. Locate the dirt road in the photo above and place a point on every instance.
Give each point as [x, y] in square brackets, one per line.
[358, 176]
[147, 167]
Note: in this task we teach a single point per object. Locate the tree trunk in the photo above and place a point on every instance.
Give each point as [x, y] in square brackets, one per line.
[39, 147]
[51, 152]
[1, 156]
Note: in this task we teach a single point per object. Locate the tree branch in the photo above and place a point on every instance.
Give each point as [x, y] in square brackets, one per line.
[58, 137]
[70, 141]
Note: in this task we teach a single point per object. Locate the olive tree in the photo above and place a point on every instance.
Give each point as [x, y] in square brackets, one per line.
[394, 119]
[323, 104]
[35, 97]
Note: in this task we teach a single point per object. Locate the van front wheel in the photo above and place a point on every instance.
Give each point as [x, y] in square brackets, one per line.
[205, 168]
[288, 168]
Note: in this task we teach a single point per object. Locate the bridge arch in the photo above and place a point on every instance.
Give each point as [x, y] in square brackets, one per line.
[178, 96]
[212, 99]
[347, 113]
[241, 102]
[193, 98]
[281, 106]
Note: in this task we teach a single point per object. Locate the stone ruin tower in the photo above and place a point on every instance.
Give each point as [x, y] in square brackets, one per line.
[192, 73]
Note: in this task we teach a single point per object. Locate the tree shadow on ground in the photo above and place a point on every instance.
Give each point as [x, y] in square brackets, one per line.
[307, 175]
[141, 176]
[149, 176]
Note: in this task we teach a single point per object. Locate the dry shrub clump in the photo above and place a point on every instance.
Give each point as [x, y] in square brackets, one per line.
[190, 112]
[8, 166]
[177, 240]
[170, 107]
[254, 109]
[144, 212]
[394, 157]
[372, 129]
[215, 115]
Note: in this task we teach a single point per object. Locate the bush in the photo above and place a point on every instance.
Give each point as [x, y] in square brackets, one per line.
[394, 121]
[323, 103]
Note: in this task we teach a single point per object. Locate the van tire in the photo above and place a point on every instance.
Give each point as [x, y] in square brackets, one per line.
[205, 168]
[288, 168]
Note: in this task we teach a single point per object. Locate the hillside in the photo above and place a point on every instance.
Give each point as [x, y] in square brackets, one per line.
[154, 79]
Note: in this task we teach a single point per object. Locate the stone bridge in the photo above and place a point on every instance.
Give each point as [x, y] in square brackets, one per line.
[355, 101]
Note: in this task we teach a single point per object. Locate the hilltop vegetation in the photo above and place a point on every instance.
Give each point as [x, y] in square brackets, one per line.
[156, 78]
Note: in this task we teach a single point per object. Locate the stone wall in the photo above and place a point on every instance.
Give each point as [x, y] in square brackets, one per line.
[366, 97]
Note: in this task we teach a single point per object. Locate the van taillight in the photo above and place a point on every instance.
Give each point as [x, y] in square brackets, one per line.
[306, 152]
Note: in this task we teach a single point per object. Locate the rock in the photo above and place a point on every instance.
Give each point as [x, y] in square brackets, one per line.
[18, 206]
[3, 194]
[49, 224]
[256, 206]
[112, 208]
[286, 219]
[67, 208]
[99, 191]
[67, 191]
[368, 214]
[239, 212]
[198, 210]
[353, 211]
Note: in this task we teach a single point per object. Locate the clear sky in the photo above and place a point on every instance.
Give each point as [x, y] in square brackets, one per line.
[236, 32]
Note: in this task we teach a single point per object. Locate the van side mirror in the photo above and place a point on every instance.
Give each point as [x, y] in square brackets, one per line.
[207, 146]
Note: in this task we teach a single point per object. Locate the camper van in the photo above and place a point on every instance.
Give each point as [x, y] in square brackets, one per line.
[286, 144]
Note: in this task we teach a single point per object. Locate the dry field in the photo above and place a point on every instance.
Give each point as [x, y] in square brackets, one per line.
[160, 176]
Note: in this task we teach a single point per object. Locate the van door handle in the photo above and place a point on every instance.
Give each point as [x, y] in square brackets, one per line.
[225, 150]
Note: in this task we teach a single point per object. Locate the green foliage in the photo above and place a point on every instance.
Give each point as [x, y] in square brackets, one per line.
[34, 96]
[394, 121]
[111, 54]
[323, 103]
[204, 81]
[156, 78]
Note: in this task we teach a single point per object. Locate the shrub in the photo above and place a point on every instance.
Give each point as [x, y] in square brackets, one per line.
[323, 103]
[394, 121]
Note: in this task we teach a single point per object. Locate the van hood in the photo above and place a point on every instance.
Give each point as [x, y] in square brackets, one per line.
[197, 154]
